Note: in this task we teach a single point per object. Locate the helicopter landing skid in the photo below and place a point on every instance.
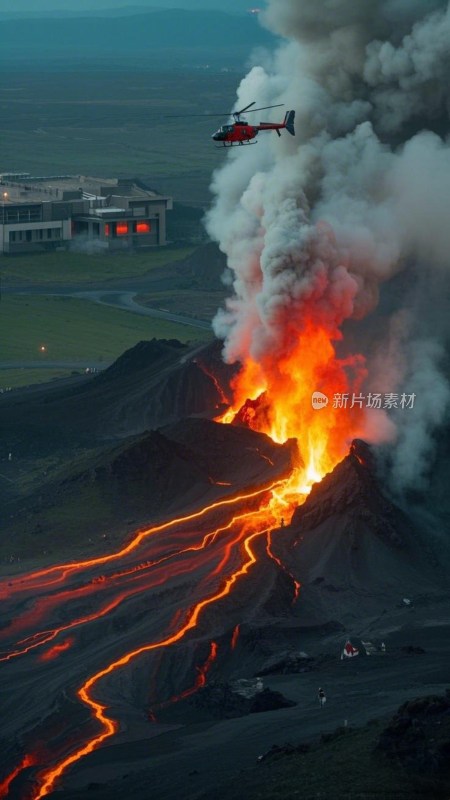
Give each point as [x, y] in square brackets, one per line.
[234, 144]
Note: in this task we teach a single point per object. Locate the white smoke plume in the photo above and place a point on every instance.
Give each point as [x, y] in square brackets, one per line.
[411, 457]
[317, 224]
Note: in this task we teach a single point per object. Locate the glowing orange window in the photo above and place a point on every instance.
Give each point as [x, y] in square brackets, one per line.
[143, 227]
[122, 228]
[107, 229]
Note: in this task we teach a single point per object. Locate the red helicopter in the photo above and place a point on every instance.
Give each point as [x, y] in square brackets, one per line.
[240, 132]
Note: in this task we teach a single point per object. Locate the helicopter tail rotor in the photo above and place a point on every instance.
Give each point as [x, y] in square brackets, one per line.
[289, 122]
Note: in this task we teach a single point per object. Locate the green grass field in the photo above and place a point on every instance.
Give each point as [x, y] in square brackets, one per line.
[115, 123]
[67, 268]
[106, 122]
[76, 330]
[17, 378]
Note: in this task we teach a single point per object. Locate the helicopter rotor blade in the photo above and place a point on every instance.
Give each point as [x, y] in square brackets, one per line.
[262, 108]
[181, 116]
[238, 113]
[224, 113]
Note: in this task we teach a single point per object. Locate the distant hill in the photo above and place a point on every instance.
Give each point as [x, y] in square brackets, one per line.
[50, 13]
[135, 34]
[57, 8]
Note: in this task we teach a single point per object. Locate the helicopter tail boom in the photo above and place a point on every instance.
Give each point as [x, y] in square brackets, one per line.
[287, 123]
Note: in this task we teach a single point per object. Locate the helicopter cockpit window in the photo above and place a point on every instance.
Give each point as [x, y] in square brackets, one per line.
[226, 128]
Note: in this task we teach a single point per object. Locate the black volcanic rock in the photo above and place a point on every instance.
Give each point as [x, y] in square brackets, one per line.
[230, 454]
[353, 551]
[153, 353]
[353, 488]
[287, 663]
[278, 751]
[221, 701]
[252, 411]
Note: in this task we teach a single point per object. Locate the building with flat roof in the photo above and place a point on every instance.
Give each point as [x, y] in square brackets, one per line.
[53, 212]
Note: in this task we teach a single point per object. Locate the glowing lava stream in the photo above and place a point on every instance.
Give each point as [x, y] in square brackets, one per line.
[48, 636]
[27, 761]
[48, 778]
[44, 637]
[28, 580]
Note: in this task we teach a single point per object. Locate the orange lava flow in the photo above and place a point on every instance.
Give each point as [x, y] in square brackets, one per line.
[44, 637]
[263, 518]
[41, 638]
[212, 377]
[27, 761]
[203, 671]
[235, 637]
[29, 580]
[109, 726]
[56, 650]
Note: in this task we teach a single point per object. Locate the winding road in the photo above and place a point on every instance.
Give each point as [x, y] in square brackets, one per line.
[114, 298]
[126, 302]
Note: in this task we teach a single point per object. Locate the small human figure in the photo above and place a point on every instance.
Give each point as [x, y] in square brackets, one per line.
[383, 647]
[282, 522]
[9, 456]
[321, 697]
[259, 684]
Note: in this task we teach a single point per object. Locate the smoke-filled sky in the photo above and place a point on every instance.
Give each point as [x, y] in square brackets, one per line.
[316, 224]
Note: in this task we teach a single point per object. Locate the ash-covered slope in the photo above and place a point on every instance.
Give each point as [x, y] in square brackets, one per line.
[353, 550]
[353, 489]
[152, 384]
[159, 382]
[175, 468]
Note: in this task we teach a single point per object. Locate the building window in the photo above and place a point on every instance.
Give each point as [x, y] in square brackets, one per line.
[107, 229]
[142, 227]
[49, 233]
[29, 236]
[12, 236]
[24, 214]
[121, 228]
